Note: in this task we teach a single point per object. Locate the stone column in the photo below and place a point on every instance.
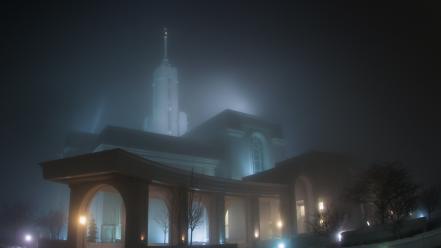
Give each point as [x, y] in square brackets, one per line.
[253, 219]
[217, 223]
[75, 232]
[135, 194]
[292, 199]
[179, 211]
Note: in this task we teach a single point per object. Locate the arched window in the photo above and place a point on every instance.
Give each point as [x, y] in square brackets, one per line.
[257, 155]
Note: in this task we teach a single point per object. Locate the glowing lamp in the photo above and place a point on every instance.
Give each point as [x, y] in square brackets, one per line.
[281, 245]
[321, 206]
[339, 236]
[256, 234]
[279, 224]
[28, 238]
[82, 220]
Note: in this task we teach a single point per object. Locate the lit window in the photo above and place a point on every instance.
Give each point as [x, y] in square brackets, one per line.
[227, 228]
[302, 211]
[257, 154]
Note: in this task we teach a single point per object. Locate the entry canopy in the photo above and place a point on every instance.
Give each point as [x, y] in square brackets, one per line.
[123, 163]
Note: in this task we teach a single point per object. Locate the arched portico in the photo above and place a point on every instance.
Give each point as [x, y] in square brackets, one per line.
[132, 177]
[133, 197]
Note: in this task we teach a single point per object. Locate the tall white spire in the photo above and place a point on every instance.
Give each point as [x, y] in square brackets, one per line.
[165, 116]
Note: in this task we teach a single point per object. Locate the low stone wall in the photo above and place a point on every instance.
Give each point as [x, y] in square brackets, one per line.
[64, 244]
[383, 233]
[46, 243]
[298, 241]
[43, 243]
[424, 240]
[105, 245]
[198, 246]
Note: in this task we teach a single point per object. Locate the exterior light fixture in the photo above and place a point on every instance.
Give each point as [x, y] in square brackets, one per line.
[183, 237]
[82, 220]
[256, 234]
[279, 224]
[28, 238]
[339, 236]
[321, 206]
[142, 237]
[368, 223]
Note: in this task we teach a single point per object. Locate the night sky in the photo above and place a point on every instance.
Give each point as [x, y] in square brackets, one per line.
[357, 78]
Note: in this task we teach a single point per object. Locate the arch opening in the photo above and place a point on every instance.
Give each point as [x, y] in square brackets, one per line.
[158, 222]
[104, 219]
[200, 234]
[235, 220]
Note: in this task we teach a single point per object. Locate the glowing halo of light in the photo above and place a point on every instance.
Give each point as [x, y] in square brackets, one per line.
[28, 238]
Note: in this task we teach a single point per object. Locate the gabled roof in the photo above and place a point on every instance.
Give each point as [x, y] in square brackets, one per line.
[231, 119]
[82, 143]
[202, 141]
[121, 162]
[124, 137]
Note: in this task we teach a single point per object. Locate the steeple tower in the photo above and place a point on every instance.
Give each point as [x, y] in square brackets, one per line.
[165, 115]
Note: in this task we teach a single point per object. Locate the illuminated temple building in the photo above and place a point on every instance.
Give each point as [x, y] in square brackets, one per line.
[133, 186]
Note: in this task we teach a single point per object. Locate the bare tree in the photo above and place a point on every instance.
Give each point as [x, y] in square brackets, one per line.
[162, 219]
[328, 221]
[187, 211]
[195, 213]
[388, 190]
[430, 199]
[15, 218]
[195, 209]
[53, 222]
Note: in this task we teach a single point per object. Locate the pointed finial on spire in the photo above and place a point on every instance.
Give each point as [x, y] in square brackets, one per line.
[165, 43]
